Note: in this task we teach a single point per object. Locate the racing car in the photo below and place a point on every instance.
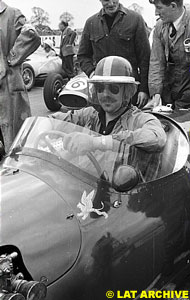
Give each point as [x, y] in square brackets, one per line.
[37, 66]
[60, 92]
[89, 226]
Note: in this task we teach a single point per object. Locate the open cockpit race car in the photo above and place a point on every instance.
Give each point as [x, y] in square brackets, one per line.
[94, 225]
[37, 67]
[60, 93]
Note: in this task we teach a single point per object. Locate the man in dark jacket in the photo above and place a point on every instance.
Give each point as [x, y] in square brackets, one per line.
[115, 30]
[67, 50]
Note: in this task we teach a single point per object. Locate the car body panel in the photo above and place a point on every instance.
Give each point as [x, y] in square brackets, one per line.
[42, 65]
[122, 242]
[45, 226]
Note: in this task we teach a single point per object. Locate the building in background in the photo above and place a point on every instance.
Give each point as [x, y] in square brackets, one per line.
[55, 35]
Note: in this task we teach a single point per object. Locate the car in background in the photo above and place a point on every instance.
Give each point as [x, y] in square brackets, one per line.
[63, 93]
[37, 66]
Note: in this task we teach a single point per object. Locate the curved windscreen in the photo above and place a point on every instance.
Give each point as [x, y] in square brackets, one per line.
[45, 136]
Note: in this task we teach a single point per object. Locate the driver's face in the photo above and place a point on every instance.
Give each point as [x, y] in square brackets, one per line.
[110, 96]
[110, 6]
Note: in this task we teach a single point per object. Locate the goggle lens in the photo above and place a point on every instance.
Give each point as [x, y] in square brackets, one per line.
[113, 88]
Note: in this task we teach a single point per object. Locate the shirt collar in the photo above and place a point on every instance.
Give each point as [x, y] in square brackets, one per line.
[102, 116]
[3, 6]
[120, 9]
[177, 22]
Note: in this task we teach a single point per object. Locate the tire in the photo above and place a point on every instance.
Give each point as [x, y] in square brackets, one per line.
[28, 76]
[52, 87]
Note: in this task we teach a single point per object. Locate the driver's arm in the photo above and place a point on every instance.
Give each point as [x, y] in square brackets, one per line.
[144, 131]
[148, 133]
[150, 137]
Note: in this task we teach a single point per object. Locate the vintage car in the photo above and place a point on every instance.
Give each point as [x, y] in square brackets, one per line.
[93, 226]
[59, 92]
[37, 66]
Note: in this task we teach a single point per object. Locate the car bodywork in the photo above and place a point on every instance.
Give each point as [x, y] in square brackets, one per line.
[37, 66]
[69, 94]
[90, 224]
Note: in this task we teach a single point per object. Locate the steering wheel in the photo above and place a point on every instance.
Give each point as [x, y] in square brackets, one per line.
[43, 137]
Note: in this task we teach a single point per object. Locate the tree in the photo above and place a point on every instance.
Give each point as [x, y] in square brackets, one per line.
[187, 5]
[67, 17]
[40, 17]
[139, 10]
[136, 8]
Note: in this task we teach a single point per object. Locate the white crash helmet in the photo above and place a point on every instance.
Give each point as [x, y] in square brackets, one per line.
[49, 43]
[109, 70]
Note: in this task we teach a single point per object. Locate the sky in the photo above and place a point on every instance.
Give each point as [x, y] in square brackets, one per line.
[80, 9]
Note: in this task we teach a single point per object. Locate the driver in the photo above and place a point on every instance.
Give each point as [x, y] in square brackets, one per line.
[48, 48]
[113, 116]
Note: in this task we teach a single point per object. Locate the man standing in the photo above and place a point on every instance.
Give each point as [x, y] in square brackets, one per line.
[67, 50]
[169, 71]
[116, 30]
[17, 41]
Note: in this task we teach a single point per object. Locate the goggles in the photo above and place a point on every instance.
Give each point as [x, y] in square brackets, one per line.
[113, 88]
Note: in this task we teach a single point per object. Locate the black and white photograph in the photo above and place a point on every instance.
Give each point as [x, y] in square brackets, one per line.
[94, 149]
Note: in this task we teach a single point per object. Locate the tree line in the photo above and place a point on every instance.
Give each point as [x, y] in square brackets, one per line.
[41, 20]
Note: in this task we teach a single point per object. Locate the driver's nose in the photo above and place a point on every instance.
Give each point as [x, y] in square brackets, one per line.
[106, 90]
[156, 12]
[111, 2]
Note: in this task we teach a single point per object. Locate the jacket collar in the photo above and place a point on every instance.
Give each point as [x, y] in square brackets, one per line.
[3, 6]
[121, 9]
[185, 20]
[184, 23]
[122, 117]
[177, 23]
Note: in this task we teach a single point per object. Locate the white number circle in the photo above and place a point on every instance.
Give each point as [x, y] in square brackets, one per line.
[77, 84]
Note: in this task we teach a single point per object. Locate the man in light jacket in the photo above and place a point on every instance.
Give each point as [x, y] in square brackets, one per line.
[17, 41]
[169, 70]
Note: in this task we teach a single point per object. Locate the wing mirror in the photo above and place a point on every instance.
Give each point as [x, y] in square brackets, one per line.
[125, 178]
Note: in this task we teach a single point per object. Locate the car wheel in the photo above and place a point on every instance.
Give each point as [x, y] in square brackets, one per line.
[52, 87]
[28, 76]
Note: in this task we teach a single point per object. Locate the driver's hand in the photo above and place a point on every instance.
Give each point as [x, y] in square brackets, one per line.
[78, 143]
[142, 99]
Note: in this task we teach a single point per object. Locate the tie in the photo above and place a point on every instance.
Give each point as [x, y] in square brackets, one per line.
[172, 30]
